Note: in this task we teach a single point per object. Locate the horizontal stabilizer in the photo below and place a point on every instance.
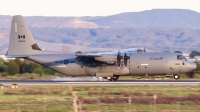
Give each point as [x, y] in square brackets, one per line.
[17, 56]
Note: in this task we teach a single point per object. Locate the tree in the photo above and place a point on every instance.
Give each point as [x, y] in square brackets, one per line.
[38, 71]
[13, 68]
[49, 71]
[198, 67]
[2, 65]
[2, 61]
[18, 61]
[28, 66]
[194, 53]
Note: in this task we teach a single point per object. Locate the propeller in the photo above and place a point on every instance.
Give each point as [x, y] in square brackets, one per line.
[126, 59]
[144, 50]
[119, 57]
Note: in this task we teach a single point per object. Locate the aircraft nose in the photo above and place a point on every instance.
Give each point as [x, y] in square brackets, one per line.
[192, 66]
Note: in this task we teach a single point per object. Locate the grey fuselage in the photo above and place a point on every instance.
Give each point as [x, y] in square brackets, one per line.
[138, 64]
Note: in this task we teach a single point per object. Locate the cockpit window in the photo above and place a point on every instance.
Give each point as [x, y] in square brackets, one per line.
[182, 57]
[185, 58]
[179, 57]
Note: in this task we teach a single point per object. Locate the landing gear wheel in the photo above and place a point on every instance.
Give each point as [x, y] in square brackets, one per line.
[176, 76]
[108, 78]
[115, 78]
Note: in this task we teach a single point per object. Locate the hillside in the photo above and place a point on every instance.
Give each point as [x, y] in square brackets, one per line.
[158, 30]
[178, 18]
[50, 22]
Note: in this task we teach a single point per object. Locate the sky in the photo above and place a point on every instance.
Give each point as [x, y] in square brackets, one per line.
[89, 7]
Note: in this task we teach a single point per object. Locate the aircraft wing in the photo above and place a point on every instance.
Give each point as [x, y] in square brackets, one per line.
[108, 57]
[103, 57]
[89, 55]
[129, 50]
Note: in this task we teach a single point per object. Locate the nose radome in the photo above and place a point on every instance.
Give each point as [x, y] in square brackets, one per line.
[192, 66]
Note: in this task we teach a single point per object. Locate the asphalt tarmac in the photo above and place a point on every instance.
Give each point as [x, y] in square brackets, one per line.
[50, 82]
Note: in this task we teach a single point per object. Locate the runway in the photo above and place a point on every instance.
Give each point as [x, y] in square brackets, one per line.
[103, 83]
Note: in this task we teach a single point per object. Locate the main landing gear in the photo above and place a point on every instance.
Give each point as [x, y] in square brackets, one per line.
[114, 78]
[176, 76]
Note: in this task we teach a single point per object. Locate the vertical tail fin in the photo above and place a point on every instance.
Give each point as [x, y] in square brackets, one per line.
[21, 40]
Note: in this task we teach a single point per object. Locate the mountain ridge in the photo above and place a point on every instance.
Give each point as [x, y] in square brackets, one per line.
[159, 29]
[152, 18]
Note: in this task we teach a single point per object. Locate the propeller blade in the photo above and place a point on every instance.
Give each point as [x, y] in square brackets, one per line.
[126, 59]
[119, 57]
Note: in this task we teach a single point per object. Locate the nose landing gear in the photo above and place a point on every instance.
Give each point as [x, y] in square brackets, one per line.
[176, 76]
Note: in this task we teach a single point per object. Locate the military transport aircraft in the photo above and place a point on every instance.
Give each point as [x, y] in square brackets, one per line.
[109, 65]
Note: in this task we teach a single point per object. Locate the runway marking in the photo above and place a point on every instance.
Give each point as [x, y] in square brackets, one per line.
[131, 83]
[104, 83]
